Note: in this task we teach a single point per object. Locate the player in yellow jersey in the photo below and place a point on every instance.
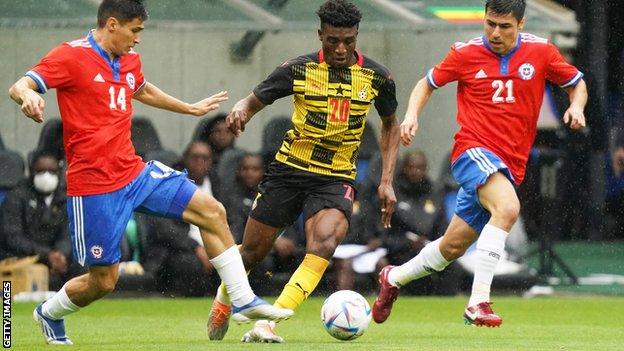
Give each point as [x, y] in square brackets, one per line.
[314, 169]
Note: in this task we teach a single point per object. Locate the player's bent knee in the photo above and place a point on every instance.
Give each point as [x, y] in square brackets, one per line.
[104, 283]
[251, 256]
[453, 250]
[209, 212]
[508, 212]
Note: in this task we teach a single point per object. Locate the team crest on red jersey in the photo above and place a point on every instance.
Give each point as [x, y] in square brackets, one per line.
[526, 71]
[130, 80]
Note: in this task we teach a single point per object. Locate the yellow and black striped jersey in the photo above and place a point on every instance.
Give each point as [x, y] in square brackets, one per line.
[330, 108]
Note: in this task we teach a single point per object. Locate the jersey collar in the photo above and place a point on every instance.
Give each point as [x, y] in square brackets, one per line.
[114, 63]
[360, 57]
[504, 59]
[511, 52]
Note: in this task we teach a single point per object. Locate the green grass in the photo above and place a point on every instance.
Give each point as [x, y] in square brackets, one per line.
[556, 323]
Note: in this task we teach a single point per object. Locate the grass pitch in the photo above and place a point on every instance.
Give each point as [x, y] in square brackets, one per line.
[554, 323]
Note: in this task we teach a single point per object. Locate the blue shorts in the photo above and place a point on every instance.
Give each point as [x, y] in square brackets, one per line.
[471, 170]
[97, 223]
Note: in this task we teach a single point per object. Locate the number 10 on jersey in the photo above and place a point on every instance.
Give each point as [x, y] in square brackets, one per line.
[339, 110]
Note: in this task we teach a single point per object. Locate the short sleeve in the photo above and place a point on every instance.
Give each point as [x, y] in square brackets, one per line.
[386, 102]
[277, 85]
[446, 71]
[53, 70]
[558, 71]
[140, 77]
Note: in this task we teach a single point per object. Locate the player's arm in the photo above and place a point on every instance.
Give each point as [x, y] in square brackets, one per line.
[151, 95]
[418, 99]
[24, 93]
[242, 112]
[578, 99]
[389, 149]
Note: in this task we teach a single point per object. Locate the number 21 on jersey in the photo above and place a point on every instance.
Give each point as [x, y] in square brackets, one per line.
[118, 102]
[504, 92]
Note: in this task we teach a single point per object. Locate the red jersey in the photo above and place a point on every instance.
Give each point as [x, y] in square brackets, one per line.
[95, 100]
[499, 97]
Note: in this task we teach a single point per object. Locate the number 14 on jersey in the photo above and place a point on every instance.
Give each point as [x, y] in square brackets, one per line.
[120, 101]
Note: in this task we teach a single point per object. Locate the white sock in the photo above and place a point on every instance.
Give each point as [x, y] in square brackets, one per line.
[490, 247]
[428, 260]
[59, 305]
[229, 265]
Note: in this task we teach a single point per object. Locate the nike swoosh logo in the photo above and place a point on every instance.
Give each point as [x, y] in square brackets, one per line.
[471, 315]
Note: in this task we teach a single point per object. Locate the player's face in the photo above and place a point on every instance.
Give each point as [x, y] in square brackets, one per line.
[501, 31]
[127, 35]
[338, 45]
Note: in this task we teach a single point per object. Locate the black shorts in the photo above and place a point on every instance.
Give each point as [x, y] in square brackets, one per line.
[285, 192]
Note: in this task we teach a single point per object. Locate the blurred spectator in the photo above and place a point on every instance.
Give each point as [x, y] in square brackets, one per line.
[239, 196]
[614, 202]
[174, 250]
[34, 219]
[360, 254]
[419, 217]
[216, 134]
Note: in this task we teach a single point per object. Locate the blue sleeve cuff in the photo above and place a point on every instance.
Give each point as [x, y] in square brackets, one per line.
[430, 79]
[574, 81]
[41, 85]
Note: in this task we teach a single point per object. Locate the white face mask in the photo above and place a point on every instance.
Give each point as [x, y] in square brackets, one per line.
[45, 182]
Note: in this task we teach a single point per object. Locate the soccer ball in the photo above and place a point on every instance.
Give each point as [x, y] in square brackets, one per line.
[345, 315]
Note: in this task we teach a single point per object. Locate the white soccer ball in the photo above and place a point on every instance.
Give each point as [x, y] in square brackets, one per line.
[345, 315]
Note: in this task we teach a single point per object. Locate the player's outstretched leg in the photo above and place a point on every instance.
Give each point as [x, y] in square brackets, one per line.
[388, 293]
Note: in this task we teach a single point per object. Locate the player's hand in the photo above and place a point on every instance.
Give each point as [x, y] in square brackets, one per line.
[387, 199]
[200, 108]
[236, 121]
[575, 117]
[33, 105]
[408, 130]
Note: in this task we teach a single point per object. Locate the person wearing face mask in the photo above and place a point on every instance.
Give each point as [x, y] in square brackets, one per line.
[35, 220]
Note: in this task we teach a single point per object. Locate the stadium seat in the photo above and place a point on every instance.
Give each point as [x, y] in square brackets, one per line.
[273, 133]
[368, 154]
[51, 138]
[11, 171]
[144, 136]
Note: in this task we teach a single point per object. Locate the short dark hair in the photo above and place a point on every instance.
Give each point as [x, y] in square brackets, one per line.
[123, 10]
[339, 13]
[504, 7]
[39, 154]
